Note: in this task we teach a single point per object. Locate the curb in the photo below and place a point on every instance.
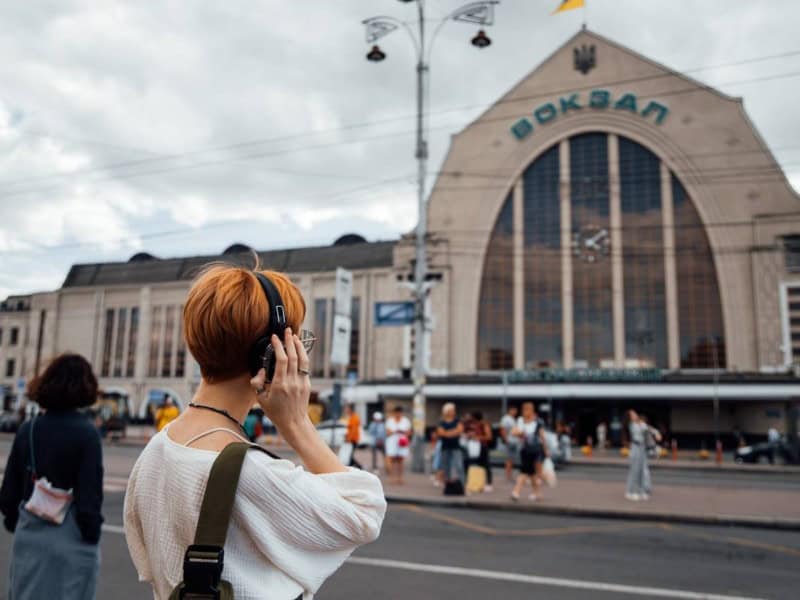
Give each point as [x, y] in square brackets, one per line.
[700, 468]
[755, 522]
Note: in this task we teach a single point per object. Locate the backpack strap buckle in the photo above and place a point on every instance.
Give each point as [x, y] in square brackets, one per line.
[202, 572]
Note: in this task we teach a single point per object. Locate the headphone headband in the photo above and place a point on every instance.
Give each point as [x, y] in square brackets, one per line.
[277, 312]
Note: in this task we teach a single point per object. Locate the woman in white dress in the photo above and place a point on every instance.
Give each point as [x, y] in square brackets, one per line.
[291, 527]
[398, 440]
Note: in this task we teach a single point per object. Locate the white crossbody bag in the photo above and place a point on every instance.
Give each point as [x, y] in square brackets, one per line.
[47, 501]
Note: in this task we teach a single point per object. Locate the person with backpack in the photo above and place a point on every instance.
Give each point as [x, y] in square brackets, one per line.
[52, 492]
[208, 515]
[530, 430]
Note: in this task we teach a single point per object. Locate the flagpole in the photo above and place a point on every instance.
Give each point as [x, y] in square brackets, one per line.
[585, 9]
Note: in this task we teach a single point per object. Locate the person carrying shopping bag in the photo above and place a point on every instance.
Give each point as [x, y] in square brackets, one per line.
[52, 492]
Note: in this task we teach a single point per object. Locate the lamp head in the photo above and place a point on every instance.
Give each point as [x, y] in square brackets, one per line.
[481, 40]
[376, 54]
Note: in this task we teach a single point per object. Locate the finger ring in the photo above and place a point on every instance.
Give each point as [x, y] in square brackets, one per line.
[303, 371]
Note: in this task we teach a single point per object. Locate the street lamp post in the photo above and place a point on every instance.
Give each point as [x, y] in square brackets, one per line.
[480, 13]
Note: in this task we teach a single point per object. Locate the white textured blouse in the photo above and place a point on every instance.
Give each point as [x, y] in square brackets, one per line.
[289, 531]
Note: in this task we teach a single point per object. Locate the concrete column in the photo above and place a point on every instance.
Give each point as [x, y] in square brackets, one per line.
[670, 269]
[99, 322]
[176, 330]
[143, 335]
[518, 262]
[567, 312]
[617, 280]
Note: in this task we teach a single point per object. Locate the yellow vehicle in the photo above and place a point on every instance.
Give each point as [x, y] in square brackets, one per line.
[111, 414]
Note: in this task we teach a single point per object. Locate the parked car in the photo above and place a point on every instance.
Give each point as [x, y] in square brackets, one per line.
[111, 415]
[337, 431]
[765, 452]
[10, 421]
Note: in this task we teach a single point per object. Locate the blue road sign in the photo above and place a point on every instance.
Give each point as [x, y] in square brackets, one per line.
[394, 313]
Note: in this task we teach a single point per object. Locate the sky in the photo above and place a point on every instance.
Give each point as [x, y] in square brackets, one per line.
[179, 127]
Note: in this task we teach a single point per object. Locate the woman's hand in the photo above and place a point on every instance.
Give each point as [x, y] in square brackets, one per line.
[285, 399]
[285, 402]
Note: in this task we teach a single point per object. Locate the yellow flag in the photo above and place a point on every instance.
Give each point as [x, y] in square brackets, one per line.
[569, 5]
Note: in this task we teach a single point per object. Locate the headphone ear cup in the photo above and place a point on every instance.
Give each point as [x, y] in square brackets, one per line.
[257, 354]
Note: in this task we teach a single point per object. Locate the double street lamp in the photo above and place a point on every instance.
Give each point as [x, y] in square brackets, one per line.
[477, 13]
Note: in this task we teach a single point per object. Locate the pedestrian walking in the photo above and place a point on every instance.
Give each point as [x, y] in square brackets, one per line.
[352, 435]
[398, 440]
[530, 430]
[615, 432]
[479, 433]
[600, 434]
[166, 413]
[773, 439]
[252, 424]
[451, 462]
[436, 459]
[639, 485]
[288, 528]
[377, 431]
[512, 443]
[52, 491]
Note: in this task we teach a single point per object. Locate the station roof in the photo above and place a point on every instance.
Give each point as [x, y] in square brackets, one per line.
[147, 269]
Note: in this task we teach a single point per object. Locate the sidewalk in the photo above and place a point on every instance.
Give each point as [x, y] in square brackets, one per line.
[685, 461]
[695, 504]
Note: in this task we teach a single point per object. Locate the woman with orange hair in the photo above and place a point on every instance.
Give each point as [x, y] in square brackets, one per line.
[290, 527]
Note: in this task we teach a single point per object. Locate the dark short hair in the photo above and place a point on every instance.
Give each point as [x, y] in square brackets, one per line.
[398, 408]
[68, 382]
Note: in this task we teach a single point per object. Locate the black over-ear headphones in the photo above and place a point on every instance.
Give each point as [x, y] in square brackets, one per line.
[262, 355]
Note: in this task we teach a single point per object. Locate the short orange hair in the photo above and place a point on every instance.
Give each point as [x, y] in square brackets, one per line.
[226, 312]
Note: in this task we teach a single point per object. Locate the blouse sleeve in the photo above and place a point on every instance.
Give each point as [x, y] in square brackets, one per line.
[134, 535]
[305, 524]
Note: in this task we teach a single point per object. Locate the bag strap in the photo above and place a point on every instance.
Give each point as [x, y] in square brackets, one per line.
[204, 560]
[30, 443]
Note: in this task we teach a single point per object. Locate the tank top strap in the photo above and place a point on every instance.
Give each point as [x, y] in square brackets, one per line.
[215, 430]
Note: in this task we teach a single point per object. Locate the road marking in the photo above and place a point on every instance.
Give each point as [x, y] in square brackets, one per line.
[448, 519]
[595, 586]
[544, 532]
[736, 541]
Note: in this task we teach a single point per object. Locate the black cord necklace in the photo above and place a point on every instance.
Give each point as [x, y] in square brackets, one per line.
[220, 411]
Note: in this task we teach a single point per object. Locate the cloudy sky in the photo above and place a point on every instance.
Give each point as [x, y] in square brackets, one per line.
[181, 126]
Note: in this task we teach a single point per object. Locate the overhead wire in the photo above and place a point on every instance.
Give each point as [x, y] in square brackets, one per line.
[176, 156]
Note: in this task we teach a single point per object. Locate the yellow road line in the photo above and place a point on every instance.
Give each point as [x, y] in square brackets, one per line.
[447, 519]
[548, 532]
[737, 541]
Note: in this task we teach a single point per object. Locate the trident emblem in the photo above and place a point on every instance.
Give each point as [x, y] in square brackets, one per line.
[585, 59]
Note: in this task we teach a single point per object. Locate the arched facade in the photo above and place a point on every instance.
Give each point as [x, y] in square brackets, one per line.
[659, 167]
[611, 262]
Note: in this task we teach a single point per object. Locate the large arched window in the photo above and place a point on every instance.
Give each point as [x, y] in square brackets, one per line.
[610, 257]
[495, 332]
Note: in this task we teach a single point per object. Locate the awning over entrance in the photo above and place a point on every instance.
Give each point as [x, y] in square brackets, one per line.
[366, 393]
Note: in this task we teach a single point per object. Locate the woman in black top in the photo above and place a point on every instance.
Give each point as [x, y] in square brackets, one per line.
[50, 560]
[449, 432]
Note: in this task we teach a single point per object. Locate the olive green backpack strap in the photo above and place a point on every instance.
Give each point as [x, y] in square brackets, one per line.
[204, 560]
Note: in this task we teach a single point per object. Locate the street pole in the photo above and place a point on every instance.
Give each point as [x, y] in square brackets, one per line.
[420, 266]
[480, 13]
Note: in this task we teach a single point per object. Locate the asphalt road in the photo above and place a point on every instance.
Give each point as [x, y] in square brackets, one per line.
[431, 553]
[119, 460]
